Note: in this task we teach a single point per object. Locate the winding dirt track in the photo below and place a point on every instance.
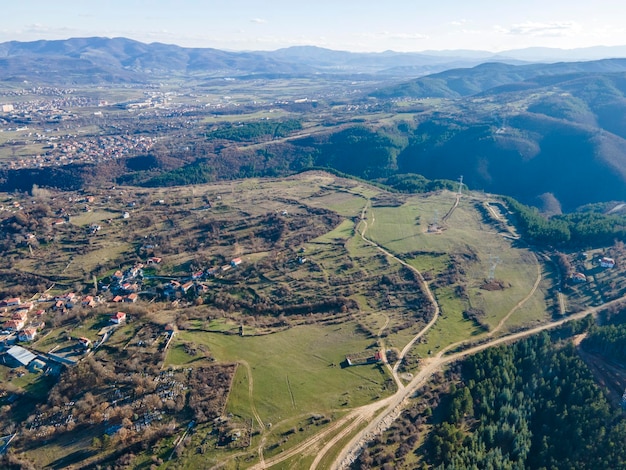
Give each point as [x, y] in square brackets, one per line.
[392, 406]
[250, 394]
[395, 406]
[422, 281]
[520, 303]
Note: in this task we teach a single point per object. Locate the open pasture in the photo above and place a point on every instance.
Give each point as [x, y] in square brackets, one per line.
[300, 370]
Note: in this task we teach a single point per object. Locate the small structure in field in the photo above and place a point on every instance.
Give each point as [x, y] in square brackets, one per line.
[366, 357]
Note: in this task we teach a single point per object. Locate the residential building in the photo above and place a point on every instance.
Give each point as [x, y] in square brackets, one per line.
[27, 334]
[118, 318]
[607, 262]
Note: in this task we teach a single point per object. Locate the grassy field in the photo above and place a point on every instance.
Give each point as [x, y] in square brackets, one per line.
[290, 372]
[297, 371]
[481, 251]
[342, 232]
[87, 218]
[451, 327]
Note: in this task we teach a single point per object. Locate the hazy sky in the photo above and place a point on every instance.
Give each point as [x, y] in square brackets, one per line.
[356, 25]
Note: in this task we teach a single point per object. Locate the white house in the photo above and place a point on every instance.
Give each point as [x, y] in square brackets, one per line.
[118, 318]
[607, 262]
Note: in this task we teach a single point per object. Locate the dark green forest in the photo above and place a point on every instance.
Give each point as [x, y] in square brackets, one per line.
[609, 341]
[532, 405]
[252, 131]
[574, 230]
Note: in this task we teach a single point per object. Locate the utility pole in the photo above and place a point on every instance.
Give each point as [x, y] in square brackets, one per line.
[494, 261]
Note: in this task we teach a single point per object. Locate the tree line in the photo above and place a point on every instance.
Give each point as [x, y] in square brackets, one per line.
[574, 230]
[531, 405]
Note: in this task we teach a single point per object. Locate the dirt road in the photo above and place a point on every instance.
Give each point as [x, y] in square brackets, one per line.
[378, 421]
[395, 406]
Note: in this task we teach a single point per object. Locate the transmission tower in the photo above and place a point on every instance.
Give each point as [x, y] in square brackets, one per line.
[434, 225]
[493, 261]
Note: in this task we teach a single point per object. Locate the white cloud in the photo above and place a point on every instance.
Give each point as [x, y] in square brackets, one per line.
[459, 22]
[258, 20]
[536, 29]
[392, 35]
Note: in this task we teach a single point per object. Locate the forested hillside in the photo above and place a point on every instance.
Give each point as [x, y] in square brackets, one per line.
[533, 405]
[462, 82]
[609, 340]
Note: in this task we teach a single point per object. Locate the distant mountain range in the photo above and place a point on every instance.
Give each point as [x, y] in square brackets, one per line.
[119, 60]
[463, 82]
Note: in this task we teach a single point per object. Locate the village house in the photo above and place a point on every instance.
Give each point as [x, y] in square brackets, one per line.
[129, 287]
[88, 301]
[69, 297]
[606, 262]
[153, 260]
[136, 270]
[578, 278]
[132, 298]
[27, 334]
[117, 298]
[38, 324]
[22, 311]
[235, 262]
[203, 288]
[10, 302]
[186, 286]
[84, 342]
[364, 358]
[20, 316]
[118, 317]
[14, 325]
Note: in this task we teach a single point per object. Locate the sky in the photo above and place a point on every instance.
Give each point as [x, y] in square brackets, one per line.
[354, 25]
